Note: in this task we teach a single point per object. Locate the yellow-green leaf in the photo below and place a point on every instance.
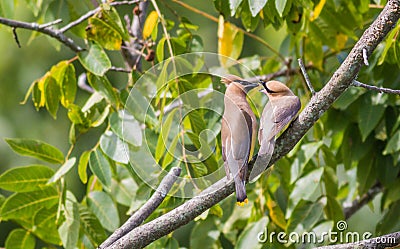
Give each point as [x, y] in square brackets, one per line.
[104, 34]
[230, 41]
[317, 10]
[20, 239]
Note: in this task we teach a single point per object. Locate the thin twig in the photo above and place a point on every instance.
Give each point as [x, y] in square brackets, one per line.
[52, 23]
[148, 208]
[305, 75]
[92, 13]
[14, 30]
[360, 202]
[375, 88]
[386, 241]
[119, 69]
[82, 83]
[45, 29]
[280, 73]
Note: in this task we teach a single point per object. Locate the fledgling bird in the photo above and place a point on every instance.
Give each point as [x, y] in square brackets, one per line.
[282, 107]
[238, 133]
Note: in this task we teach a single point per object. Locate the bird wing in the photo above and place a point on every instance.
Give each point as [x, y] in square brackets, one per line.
[284, 112]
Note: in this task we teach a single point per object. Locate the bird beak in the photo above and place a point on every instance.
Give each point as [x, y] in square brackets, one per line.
[247, 85]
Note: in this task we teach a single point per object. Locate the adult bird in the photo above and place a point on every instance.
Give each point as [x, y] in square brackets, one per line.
[238, 133]
[282, 107]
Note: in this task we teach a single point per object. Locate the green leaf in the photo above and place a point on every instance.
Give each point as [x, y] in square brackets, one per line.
[390, 222]
[205, 232]
[64, 169]
[20, 239]
[280, 6]
[36, 148]
[333, 209]
[69, 230]
[163, 137]
[126, 127]
[25, 205]
[366, 174]
[369, 116]
[45, 225]
[52, 95]
[68, 86]
[304, 216]
[114, 147]
[105, 210]
[91, 226]
[123, 187]
[160, 49]
[100, 119]
[304, 189]
[26, 178]
[105, 35]
[257, 5]
[394, 144]
[100, 167]
[331, 181]
[82, 166]
[302, 158]
[95, 60]
[104, 87]
[76, 115]
[140, 108]
[248, 238]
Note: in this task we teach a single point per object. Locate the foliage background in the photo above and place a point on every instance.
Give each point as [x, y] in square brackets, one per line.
[339, 129]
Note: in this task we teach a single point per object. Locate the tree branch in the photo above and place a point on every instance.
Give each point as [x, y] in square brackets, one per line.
[385, 241]
[305, 75]
[148, 208]
[360, 202]
[319, 103]
[133, 50]
[375, 88]
[57, 33]
[92, 13]
[45, 29]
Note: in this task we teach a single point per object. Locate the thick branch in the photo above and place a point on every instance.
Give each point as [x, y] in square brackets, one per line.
[385, 241]
[319, 103]
[58, 33]
[45, 29]
[360, 202]
[148, 208]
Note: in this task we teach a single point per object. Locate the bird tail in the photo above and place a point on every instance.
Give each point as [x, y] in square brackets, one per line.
[264, 156]
[241, 195]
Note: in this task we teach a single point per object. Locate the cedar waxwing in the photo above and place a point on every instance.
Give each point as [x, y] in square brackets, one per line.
[238, 133]
[280, 110]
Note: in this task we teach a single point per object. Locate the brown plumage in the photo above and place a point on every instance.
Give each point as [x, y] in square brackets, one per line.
[238, 133]
[282, 107]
